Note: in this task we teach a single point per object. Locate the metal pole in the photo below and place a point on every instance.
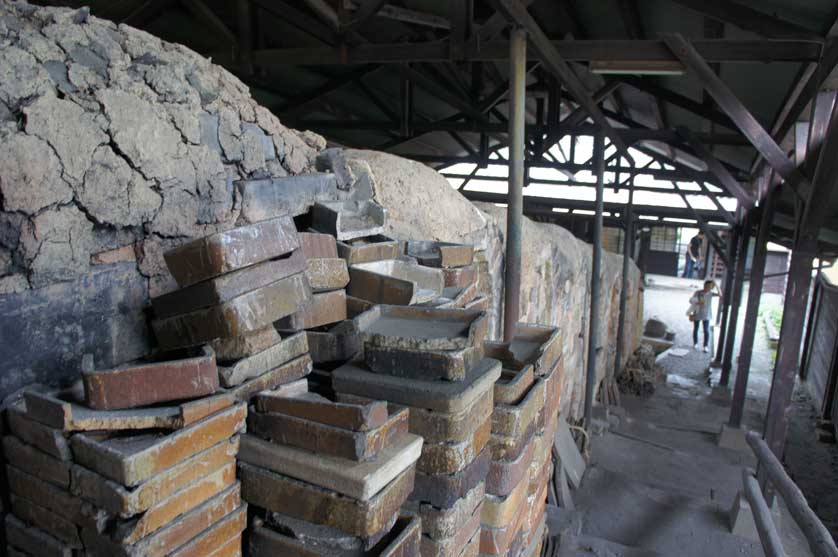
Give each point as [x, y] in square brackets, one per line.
[515, 203]
[627, 241]
[726, 295]
[736, 301]
[746, 347]
[593, 321]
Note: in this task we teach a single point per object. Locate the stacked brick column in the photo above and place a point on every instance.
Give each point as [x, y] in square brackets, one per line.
[235, 285]
[430, 360]
[104, 473]
[523, 425]
[328, 478]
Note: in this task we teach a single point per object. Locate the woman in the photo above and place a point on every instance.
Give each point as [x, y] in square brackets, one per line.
[701, 311]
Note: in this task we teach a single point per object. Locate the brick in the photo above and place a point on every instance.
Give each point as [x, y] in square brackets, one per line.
[230, 548]
[440, 254]
[452, 546]
[35, 462]
[513, 384]
[514, 420]
[33, 540]
[461, 296]
[499, 540]
[501, 511]
[356, 306]
[439, 524]
[144, 384]
[460, 276]
[441, 396]
[315, 245]
[347, 220]
[443, 491]
[287, 373]
[56, 409]
[536, 541]
[284, 351]
[416, 328]
[369, 249]
[266, 542]
[354, 417]
[234, 249]
[272, 491]
[328, 440]
[394, 282]
[406, 535]
[54, 499]
[323, 309]
[326, 274]
[508, 448]
[441, 427]
[248, 312]
[223, 288]
[180, 502]
[289, 195]
[48, 439]
[174, 535]
[295, 388]
[537, 344]
[51, 523]
[359, 480]
[481, 303]
[133, 459]
[216, 536]
[339, 344]
[472, 548]
[427, 365]
[449, 458]
[127, 502]
[117, 255]
[247, 344]
[505, 475]
[326, 539]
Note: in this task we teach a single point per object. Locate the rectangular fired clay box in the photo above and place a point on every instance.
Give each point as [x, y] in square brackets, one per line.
[394, 282]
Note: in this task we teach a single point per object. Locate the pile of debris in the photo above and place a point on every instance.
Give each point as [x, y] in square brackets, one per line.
[641, 372]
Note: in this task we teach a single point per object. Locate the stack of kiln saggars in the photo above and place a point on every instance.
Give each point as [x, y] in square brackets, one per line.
[234, 286]
[331, 337]
[459, 272]
[327, 276]
[141, 463]
[431, 360]
[328, 478]
[524, 421]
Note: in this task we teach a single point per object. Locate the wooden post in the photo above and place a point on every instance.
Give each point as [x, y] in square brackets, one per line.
[746, 346]
[735, 302]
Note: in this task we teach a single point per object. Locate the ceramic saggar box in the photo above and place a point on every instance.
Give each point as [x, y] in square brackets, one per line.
[394, 282]
[347, 220]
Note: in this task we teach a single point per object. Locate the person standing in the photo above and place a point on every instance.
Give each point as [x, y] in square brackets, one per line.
[693, 254]
[701, 311]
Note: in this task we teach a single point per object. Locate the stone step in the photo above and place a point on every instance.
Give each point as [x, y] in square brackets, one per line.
[699, 475]
[587, 546]
[670, 521]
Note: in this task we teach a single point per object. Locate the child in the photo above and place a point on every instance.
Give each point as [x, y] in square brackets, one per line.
[702, 311]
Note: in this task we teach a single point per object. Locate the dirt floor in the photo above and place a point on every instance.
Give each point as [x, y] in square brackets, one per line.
[812, 464]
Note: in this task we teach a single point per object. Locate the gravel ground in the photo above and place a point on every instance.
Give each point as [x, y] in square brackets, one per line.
[812, 464]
